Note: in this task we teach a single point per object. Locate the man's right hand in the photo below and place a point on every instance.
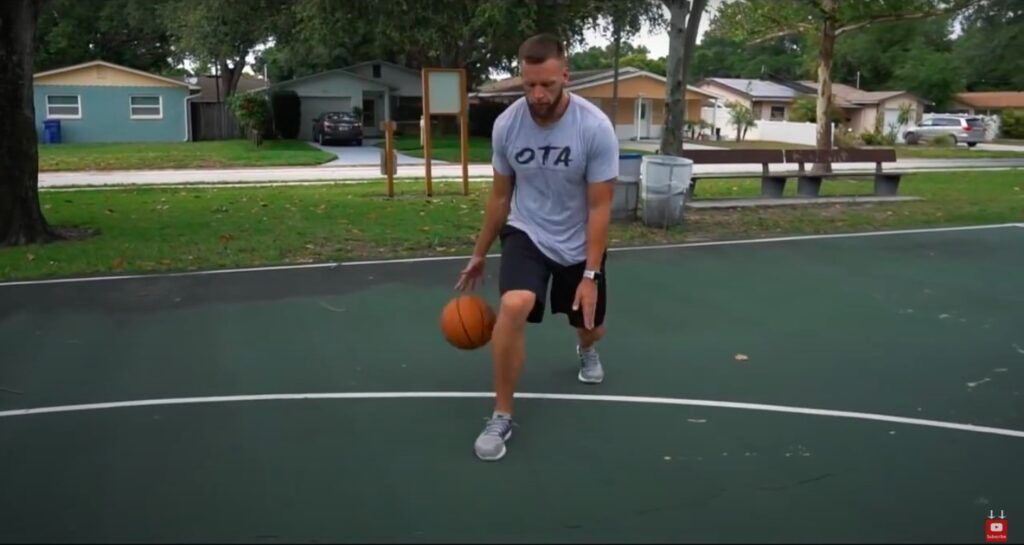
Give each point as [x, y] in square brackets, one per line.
[474, 271]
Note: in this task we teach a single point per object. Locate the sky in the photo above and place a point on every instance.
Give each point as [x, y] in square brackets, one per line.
[654, 39]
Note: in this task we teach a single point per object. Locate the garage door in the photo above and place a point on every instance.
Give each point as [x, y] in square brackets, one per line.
[314, 106]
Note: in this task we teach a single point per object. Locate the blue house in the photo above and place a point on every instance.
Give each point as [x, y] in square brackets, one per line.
[102, 102]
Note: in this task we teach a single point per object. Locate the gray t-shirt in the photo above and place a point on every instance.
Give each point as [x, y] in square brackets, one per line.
[552, 167]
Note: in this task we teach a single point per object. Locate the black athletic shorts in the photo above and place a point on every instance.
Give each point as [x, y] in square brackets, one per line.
[525, 267]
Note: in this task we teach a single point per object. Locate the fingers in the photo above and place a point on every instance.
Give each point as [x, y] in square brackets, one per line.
[589, 309]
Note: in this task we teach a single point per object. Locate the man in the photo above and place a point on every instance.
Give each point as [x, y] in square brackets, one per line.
[555, 163]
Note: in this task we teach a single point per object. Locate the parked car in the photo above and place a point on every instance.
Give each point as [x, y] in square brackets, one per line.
[342, 126]
[967, 130]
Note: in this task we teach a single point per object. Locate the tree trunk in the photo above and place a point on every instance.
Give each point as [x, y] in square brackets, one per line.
[824, 104]
[21, 219]
[672, 133]
[616, 46]
[692, 26]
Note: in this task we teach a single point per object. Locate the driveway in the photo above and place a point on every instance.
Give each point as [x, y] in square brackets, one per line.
[999, 147]
[366, 155]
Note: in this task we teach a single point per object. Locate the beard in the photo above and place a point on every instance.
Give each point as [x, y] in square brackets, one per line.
[546, 111]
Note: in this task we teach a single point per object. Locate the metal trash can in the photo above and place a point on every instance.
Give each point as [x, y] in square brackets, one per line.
[664, 181]
[627, 188]
[51, 131]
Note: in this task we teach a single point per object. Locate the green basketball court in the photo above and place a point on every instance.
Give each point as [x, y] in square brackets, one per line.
[839, 388]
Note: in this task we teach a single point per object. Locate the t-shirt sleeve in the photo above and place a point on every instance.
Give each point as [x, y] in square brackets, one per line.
[603, 154]
[499, 155]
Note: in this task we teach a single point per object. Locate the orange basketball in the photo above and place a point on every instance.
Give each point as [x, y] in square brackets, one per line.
[467, 322]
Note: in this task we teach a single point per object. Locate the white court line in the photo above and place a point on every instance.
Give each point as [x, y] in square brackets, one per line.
[523, 395]
[494, 255]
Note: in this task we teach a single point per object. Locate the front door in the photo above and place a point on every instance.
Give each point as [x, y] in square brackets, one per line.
[369, 114]
[643, 118]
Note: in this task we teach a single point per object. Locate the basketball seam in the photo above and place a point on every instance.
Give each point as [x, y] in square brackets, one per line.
[458, 310]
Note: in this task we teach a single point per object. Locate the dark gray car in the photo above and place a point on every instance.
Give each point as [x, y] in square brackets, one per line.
[337, 126]
[966, 130]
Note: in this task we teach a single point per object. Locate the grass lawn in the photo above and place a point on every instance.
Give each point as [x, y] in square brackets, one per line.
[160, 155]
[1010, 141]
[958, 152]
[171, 229]
[445, 148]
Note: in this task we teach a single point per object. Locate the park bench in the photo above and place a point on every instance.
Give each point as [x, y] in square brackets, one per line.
[777, 168]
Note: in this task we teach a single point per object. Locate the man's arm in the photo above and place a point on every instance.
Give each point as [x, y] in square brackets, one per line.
[599, 200]
[602, 173]
[495, 213]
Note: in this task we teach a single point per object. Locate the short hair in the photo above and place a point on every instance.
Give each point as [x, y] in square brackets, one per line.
[541, 47]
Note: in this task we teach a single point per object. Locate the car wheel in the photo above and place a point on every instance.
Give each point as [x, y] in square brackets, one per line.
[972, 144]
[910, 138]
[359, 142]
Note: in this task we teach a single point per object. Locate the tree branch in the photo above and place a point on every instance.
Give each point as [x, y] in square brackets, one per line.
[796, 29]
[901, 17]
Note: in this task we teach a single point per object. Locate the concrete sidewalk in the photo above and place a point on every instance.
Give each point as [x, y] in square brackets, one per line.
[352, 174]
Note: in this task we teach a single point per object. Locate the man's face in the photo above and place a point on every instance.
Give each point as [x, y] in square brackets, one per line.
[542, 84]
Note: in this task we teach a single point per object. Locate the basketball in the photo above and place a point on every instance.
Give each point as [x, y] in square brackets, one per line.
[467, 322]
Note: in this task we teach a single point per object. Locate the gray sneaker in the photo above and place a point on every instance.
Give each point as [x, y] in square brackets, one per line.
[490, 444]
[591, 371]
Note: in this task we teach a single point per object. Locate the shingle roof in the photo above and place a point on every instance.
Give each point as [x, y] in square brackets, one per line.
[993, 99]
[756, 88]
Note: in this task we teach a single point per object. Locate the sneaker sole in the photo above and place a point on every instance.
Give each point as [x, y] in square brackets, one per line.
[501, 454]
[589, 380]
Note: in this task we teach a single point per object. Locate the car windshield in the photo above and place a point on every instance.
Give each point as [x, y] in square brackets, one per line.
[340, 116]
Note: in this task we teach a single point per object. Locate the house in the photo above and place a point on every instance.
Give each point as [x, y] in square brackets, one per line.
[100, 101]
[641, 111]
[862, 107]
[378, 89]
[767, 100]
[988, 103]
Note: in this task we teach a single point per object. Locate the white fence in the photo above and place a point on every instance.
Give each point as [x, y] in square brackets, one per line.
[774, 131]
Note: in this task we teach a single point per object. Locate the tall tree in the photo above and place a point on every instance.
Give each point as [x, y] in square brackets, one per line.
[126, 32]
[823, 21]
[223, 32]
[21, 219]
[684, 22]
[621, 20]
[989, 50]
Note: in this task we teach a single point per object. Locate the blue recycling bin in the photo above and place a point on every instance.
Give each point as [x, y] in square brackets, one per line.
[51, 131]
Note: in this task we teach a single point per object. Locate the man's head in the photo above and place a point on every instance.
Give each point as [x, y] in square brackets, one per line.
[545, 73]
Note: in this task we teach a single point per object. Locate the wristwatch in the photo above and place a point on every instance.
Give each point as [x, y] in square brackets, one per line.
[593, 275]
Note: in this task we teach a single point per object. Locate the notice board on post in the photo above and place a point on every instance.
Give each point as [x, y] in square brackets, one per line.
[444, 94]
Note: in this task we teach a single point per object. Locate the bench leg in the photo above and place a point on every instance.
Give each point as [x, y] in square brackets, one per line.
[773, 186]
[691, 190]
[808, 186]
[887, 184]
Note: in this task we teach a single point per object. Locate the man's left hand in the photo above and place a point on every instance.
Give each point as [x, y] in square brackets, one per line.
[586, 295]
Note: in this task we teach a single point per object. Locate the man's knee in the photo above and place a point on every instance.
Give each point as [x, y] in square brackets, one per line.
[517, 304]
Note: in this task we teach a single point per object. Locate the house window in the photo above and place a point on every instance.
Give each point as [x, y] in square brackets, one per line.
[778, 113]
[376, 70]
[63, 106]
[147, 107]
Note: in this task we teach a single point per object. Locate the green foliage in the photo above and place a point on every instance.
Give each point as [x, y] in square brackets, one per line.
[286, 109]
[1011, 124]
[805, 110]
[742, 118]
[944, 141]
[630, 56]
[251, 110]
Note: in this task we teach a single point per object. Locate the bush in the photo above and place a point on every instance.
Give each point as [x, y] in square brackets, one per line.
[944, 140]
[1011, 124]
[286, 110]
[252, 111]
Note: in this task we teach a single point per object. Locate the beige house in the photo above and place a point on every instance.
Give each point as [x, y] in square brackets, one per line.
[862, 108]
[768, 100]
[641, 111]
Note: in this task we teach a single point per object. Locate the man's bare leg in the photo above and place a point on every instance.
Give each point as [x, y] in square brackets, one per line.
[509, 352]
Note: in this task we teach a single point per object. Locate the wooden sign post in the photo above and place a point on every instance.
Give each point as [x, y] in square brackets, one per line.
[444, 93]
[387, 162]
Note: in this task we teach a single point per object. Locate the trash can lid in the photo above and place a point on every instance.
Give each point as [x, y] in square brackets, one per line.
[667, 160]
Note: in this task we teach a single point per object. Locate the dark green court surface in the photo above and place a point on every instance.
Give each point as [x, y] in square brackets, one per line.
[881, 399]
